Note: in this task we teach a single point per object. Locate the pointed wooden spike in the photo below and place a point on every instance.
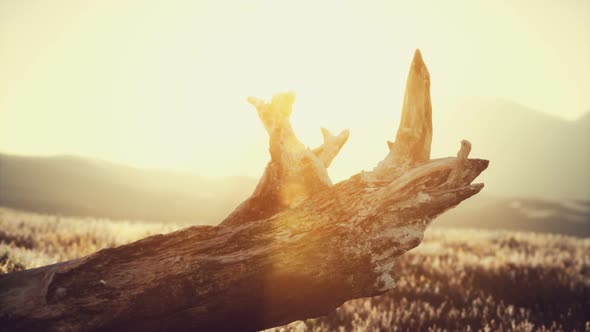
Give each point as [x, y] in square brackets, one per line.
[256, 102]
[275, 114]
[326, 134]
[464, 150]
[332, 145]
[283, 103]
[344, 135]
[390, 145]
[414, 135]
[455, 178]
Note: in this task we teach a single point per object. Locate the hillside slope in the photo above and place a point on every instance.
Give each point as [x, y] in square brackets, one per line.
[567, 217]
[86, 187]
[532, 154]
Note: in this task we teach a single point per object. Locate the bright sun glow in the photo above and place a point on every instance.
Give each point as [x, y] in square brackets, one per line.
[164, 84]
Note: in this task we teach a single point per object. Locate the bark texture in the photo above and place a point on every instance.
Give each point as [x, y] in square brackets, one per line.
[294, 171]
[297, 248]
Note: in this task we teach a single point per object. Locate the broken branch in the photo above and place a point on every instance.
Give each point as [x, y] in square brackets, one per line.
[279, 257]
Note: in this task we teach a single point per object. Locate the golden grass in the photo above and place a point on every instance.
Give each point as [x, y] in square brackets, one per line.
[455, 280]
[36, 239]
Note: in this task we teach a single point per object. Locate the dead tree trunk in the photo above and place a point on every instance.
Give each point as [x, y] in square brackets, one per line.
[297, 248]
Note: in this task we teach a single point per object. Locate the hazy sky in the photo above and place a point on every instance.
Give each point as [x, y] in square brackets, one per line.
[163, 84]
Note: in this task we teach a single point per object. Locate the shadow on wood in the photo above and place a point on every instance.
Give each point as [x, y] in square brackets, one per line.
[297, 248]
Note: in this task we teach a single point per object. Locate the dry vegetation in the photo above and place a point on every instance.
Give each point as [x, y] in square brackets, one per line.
[455, 280]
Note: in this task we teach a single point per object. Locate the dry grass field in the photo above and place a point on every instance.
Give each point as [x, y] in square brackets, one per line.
[455, 280]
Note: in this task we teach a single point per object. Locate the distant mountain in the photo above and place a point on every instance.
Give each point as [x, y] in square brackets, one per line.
[532, 154]
[85, 187]
[567, 217]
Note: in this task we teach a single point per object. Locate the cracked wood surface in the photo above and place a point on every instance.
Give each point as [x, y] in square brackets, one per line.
[297, 248]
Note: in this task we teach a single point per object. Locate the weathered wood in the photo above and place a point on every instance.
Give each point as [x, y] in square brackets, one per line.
[294, 171]
[414, 134]
[311, 251]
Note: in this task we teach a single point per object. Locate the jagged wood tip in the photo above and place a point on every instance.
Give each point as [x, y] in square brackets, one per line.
[414, 135]
[331, 146]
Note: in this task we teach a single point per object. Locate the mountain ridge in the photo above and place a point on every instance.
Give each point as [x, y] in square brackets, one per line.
[89, 187]
[532, 155]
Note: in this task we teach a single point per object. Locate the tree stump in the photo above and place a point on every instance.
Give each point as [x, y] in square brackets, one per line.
[297, 248]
